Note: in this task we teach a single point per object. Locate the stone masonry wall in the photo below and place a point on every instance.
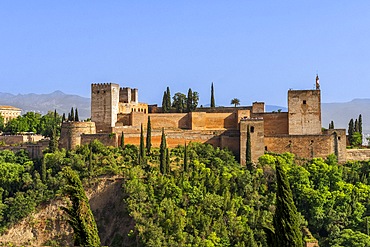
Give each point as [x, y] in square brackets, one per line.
[257, 139]
[358, 154]
[304, 108]
[71, 133]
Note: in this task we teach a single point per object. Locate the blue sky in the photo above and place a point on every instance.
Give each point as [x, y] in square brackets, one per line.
[251, 50]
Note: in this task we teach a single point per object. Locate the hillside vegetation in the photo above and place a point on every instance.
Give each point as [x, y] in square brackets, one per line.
[215, 202]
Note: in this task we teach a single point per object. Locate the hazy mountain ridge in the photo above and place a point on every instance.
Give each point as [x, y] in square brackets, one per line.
[340, 113]
[43, 103]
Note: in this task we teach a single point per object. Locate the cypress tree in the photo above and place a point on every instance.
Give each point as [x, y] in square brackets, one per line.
[53, 143]
[76, 116]
[80, 216]
[189, 101]
[168, 100]
[90, 160]
[69, 117]
[185, 158]
[72, 115]
[286, 220]
[213, 104]
[360, 124]
[162, 153]
[164, 102]
[142, 148]
[351, 129]
[356, 125]
[168, 169]
[248, 151]
[63, 117]
[43, 171]
[122, 140]
[148, 136]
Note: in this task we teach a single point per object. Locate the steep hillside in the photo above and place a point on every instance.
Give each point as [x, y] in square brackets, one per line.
[48, 225]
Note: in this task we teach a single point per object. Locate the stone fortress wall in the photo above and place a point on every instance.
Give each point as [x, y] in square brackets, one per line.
[115, 110]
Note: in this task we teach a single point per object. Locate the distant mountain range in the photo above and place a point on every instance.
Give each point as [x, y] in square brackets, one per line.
[42, 103]
[340, 113]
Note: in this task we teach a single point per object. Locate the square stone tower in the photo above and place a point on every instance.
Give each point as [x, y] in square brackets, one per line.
[104, 105]
[304, 112]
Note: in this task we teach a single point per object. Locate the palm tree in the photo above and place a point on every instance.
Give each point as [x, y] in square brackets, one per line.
[235, 102]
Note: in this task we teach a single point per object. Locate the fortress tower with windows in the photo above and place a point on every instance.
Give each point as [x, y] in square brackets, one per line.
[115, 110]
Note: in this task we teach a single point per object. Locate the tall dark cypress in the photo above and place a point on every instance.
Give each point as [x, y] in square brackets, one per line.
[213, 104]
[189, 101]
[164, 103]
[162, 154]
[351, 129]
[248, 151]
[63, 117]
[72, 115]
[142, 147]
[185, 158]
[168, 100]
[286, 220]
[356, 125]
[148, 136]
[80, 216]
[360, 124]
[90, 160]
[76, 116]
[53, 143]
[122, 140]
[168, 161]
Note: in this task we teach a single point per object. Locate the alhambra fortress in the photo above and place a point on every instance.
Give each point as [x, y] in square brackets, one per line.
[115, 110]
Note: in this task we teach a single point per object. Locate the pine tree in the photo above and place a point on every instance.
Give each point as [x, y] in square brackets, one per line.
[185, 158]
[286, 219]
[76, 116]
[213, 104]
[72, 115]
[189, 101]
[164, 103]
[162, 154]
[168, 100]
[148, 136]
[142, 147]
[248, 151]
[122, 140]
[80, 216]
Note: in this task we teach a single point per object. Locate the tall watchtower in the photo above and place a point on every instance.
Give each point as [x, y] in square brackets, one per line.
[304, 107]
[104, 105]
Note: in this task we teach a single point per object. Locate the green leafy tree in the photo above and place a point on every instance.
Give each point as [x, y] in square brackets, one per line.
[48, 122]
[80, 216]
[213, 104]
[179, 102]
[148, 136]
[162, 154]
[286, 219]
[195, 100]
[2, 125]
[235, 102]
